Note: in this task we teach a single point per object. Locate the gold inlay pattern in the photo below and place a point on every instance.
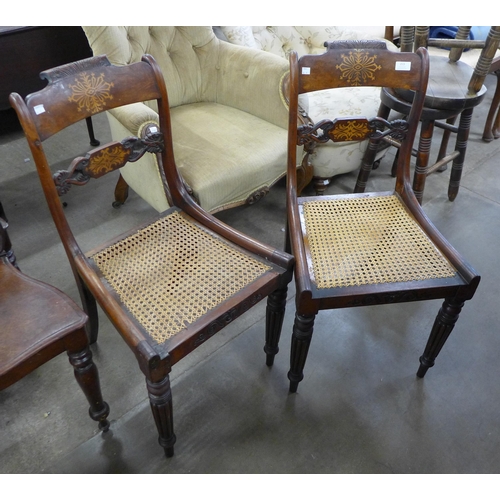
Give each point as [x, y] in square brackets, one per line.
[350, 131]
[108, 160]
[358, 67]
[91, 92]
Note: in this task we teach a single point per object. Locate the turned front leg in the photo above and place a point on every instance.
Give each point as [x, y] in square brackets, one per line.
[275, 312]
[301, 340]
[87, 376]
[160, 398]
[443, 325]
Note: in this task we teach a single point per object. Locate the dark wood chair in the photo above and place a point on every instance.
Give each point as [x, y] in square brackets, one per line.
[454, 90]
[39, 322]
[492, 124]
[173, 282]
[373, 248]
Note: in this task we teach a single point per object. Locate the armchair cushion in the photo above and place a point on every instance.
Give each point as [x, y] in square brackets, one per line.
[329, 159]
[229, 121]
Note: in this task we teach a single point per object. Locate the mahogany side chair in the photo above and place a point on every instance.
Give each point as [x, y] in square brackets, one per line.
[39, 322]
[455, 88]
[170, 284]
[366, 248]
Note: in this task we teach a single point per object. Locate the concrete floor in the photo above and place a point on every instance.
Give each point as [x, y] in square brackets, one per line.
[360, 408]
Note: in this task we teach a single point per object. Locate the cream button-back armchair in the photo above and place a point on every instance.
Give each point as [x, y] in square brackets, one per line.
[229, 121]
[328, 159]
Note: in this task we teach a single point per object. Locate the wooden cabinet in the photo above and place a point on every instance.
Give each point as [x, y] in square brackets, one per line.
[25, 51]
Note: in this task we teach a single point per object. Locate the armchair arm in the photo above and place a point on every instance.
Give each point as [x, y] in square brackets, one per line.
[250, 80]
[134, 116]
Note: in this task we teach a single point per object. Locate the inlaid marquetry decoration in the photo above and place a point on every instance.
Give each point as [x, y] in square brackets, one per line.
[105, 159]
[108, 160]
[90, 92]
[358, 67]
[351, 130]
[339, 130]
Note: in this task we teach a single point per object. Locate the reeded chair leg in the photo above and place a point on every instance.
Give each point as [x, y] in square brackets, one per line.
[160, 398]
[301, 340]
[275, 312]
[461, 147]
[87, 376]
[443, 325]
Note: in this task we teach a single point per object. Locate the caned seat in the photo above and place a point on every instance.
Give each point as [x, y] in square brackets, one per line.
[172, 272]
[366, 248]
[174, 281]
[356, 241]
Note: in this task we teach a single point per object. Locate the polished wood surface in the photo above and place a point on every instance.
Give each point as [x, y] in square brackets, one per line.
[25, 51]
[39, 322]
[320, 252]
[72, 95]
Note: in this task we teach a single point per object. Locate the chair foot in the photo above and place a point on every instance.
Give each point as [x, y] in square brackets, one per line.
[301, 340]
[424, 366]
[320, 184]
[160, 398]
[102, 418]
[87, 376]
[121, 192]
[90, 129]
[443, 326]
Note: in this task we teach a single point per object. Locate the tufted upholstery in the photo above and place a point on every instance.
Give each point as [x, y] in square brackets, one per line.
[228, 119]
[329, 159]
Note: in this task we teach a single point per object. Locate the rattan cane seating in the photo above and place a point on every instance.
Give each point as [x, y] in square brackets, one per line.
[173, 282]
[366, 248]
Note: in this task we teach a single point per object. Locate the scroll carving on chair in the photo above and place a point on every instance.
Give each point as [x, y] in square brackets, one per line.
[174, 281]
[369, 248]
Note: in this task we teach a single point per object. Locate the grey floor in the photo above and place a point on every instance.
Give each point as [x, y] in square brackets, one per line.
[360, 408]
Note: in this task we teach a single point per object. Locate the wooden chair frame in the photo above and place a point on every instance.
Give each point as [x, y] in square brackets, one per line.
[85, 88]
[39, 322]
[363, 63]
